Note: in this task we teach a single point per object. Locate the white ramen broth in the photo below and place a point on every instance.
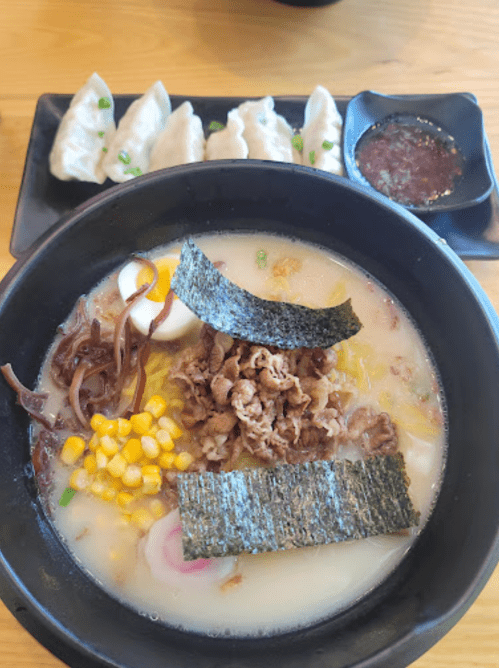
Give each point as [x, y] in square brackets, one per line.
[385, 367]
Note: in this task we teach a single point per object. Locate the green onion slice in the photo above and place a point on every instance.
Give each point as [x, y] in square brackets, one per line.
[261, 259]
[215, 125]
[66, 497]
[135, 171]
[297, 142]
[104, 103]
[124, 157]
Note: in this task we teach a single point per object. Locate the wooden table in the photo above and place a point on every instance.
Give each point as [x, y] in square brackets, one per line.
[249, 48]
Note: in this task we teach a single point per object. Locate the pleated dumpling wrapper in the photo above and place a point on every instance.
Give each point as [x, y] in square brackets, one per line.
[181, 141]
[229, 142]
[268, 135]
[85, 129]
[321, 132]
[129, 152]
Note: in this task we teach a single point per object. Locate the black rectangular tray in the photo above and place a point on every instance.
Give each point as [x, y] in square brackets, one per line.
[472, 233]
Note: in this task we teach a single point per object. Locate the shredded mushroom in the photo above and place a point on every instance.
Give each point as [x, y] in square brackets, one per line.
[32, 402]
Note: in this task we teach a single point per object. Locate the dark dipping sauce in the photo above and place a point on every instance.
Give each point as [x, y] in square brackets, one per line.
[410, 162]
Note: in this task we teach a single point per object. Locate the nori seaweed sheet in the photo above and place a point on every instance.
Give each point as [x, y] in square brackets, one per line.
[235, 311]
[264, 510]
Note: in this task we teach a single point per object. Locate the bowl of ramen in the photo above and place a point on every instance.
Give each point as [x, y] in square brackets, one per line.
[249, 418]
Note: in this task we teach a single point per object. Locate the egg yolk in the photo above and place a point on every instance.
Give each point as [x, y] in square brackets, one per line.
[166, 267]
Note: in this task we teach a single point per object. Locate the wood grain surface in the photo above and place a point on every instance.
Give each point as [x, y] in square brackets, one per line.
[248, 48]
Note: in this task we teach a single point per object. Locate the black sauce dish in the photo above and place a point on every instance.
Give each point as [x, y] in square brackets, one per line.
[455, 116]
[458, 549]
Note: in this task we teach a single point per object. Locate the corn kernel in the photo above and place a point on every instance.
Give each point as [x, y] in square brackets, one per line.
[156, 406]
[132, 477]
[109, 445]
[107, 427]
[93, 443]
[103, 476]
[98, 488]
[72, 449]
[157, 508]
[166, 460]
[96, 420]
[117, 466]
[90, 463]
[124, 498]
[124, 427]
[171, 426]
[79, 479]
[143, 519]
[150, 468]
[109, 494]
[132, 450]
[101, 458]
[141, 422]
[116, 483]
[152, 431]
[183, 460]
[165, 440]
[150, 446]
[152, 483]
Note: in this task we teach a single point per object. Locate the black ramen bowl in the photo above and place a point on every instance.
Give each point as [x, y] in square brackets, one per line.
[457, 116]
[439, 577]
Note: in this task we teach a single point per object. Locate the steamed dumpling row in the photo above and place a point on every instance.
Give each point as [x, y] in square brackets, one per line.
[85, 129]
[131, 145]
[321, 129]
[88, 147]
[181, 141]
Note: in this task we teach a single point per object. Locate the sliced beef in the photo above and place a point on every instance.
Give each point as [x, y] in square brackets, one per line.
[374, 432]
[277, 405]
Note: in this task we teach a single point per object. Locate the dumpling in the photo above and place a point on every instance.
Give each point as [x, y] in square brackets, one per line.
[85, 129]
[182, 140]
[129, 152]
[229, 142]
[267, 134]
[321, 132]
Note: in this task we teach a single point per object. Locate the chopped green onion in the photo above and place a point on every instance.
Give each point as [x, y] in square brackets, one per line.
[297, 142]
[261, 259]
[215, 125]
[135, 171]
[124, 157]
[311, 157]
[66, 497]
[104, 103]
[101, 133]
[104, 149]
[327, 145]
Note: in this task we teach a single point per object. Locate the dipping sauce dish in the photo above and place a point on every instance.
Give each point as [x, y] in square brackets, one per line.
[427, 153]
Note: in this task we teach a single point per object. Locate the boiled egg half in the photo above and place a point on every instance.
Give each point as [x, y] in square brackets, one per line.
[180, 318]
